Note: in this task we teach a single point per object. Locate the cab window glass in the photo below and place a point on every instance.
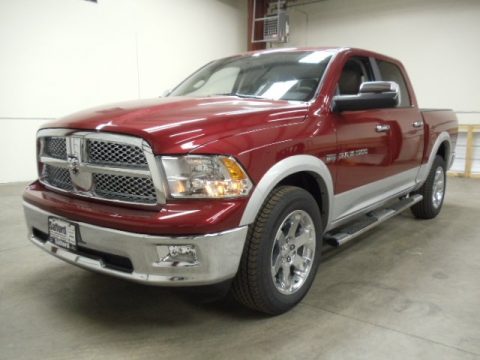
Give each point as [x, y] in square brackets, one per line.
[291, 76]
[220, 82]
[355, 71]
[391, 72]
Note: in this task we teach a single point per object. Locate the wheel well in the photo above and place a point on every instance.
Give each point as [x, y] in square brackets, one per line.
[444, 151]
[315, 185]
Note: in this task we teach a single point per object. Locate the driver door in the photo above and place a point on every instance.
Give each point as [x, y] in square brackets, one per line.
[363, 145]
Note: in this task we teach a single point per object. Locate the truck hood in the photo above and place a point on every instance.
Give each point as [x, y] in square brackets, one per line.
[181, 124]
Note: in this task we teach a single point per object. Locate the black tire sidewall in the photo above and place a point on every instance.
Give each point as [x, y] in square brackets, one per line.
[425, 208]
[295, 199]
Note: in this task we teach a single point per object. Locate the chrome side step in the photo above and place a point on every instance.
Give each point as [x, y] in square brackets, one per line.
[350, 231]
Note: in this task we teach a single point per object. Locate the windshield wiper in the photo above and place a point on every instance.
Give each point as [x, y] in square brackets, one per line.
[246, 96]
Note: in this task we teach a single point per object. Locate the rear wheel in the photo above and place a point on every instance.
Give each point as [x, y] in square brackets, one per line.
[282, 252]
[433, 191]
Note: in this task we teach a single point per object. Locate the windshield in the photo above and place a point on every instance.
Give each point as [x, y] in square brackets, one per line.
[290, 76]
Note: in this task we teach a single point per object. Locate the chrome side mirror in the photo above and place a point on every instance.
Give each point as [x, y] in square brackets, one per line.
[371, 95]
[378, 87]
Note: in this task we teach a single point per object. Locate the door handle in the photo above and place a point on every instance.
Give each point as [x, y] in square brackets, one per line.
[418, 124]
[382, 128]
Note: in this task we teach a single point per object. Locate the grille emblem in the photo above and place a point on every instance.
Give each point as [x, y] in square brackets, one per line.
[73, 164]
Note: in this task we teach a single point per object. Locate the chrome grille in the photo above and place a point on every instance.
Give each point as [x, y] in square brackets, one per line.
[56, 147]
[111, 153]
[106, 166]
[58, 177]
[127, 188]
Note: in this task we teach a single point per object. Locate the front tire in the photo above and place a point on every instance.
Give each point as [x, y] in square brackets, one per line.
[282, 252]
[433, 191]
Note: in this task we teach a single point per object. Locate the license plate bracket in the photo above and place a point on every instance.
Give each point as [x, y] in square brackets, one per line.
[63, 233]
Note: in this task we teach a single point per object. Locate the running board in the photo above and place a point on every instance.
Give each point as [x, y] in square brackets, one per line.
[340, 236]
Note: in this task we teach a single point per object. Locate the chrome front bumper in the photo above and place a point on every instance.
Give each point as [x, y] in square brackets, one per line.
[218, 255]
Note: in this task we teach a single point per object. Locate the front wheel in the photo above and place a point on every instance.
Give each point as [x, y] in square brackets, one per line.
[282, 252]
[433, 191]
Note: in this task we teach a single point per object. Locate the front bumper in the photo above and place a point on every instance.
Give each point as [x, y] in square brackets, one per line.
[108, 251]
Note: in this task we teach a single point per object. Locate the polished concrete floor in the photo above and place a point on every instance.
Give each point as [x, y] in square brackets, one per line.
[407, 290]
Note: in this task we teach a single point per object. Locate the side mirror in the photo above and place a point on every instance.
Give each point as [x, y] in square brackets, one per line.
[372, 95]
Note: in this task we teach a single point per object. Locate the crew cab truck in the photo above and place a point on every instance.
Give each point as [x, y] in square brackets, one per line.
[242, 173]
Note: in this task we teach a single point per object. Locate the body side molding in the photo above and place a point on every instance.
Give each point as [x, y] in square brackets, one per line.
[279, 171]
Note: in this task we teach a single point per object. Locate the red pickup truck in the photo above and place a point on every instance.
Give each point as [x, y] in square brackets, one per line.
[242, 173]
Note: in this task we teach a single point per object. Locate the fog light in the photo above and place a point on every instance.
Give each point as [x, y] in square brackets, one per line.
[177, 255]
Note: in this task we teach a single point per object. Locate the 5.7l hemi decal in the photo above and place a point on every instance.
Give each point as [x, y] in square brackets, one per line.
[345, 155]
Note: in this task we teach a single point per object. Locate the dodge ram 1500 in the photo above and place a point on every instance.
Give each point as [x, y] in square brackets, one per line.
[242, 173]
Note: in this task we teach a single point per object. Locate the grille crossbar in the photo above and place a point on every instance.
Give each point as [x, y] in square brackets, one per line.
[105, 166]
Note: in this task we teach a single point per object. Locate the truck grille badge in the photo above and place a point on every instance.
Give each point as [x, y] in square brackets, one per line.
[73, 164]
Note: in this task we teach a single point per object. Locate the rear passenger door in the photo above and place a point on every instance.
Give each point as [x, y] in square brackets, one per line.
[407, 130]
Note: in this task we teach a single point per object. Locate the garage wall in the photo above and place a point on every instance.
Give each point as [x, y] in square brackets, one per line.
[437, 40]
[59, 56]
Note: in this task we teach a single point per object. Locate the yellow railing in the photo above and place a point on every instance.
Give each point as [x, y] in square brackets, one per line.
[470, 130]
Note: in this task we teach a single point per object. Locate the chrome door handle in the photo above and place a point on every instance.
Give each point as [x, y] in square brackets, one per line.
[418, 124]
[382, 128]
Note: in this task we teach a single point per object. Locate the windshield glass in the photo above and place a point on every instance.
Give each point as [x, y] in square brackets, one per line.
[273, 75]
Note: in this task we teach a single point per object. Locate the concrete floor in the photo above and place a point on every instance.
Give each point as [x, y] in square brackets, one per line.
[408, 289]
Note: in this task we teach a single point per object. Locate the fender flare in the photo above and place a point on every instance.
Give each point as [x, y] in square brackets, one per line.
[425, 168]
[278, 172]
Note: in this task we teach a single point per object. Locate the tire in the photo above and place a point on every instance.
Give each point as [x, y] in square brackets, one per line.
[276, 270]
[433, 191]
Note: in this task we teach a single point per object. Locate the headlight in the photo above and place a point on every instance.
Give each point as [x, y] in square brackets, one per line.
[199, 176]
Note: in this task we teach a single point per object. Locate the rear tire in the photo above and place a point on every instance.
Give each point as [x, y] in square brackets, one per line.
[433, 191]
[281, 254]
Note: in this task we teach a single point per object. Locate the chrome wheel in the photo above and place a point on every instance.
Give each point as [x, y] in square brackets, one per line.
[438, 187]
[293, 252]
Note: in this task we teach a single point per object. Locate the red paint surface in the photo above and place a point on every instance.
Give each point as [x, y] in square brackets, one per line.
[177, 125]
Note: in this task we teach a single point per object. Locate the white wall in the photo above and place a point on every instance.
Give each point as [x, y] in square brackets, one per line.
[437, 40]
[59, 56]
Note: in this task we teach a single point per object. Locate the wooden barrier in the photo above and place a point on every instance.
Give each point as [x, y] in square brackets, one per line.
[471, 131]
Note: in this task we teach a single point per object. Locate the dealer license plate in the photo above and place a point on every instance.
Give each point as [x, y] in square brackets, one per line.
[62, 233]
